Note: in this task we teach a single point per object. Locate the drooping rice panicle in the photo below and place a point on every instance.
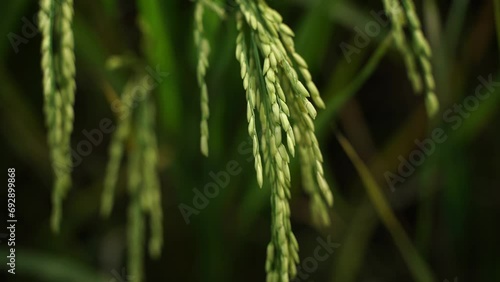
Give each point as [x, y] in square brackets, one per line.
[398, 19]
[423, 53]
[203, 48]
[66, 67]
[252, 93]
[203, 51]
[275, 94]
[58, 66]
[136, 126]
[116, 150]
[151, 193]
[415, 50]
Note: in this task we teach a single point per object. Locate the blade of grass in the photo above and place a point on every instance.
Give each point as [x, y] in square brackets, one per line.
[418, 267]
[158, 47]
[335, 102]
[455, 23]
[357, 238]
[443, 53]
[479, 119]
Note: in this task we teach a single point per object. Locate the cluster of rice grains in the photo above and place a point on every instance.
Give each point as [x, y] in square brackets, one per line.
[279, 111]
[136, 132]
[415, 49]
[203, 47]
[58, 66]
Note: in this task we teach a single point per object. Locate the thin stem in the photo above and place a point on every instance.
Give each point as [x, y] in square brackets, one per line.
[417, 265]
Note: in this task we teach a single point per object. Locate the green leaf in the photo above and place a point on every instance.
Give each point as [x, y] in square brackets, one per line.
[158, 47]
[418, 267]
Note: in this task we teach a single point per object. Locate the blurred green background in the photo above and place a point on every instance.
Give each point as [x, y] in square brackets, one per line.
[449, 206]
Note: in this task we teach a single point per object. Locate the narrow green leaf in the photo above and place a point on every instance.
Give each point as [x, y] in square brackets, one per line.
[158, 46]
[418, 267]
[339, 99]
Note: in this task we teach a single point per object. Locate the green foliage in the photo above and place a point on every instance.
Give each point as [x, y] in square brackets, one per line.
[418, 267]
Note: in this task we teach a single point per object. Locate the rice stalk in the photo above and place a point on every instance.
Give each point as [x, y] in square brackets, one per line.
[275, 93]
[151, 196]
[423, 53]
[137, 128]
[415, 50]
[135, 224]
[58, 67]
[395, 13]
[116, 152]
[203, 49]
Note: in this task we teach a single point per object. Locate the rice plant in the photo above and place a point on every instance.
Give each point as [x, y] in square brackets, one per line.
[414, 48]
[58, 65]
[273, 75]
[136, 128]
[278, 108]
[278, 86]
